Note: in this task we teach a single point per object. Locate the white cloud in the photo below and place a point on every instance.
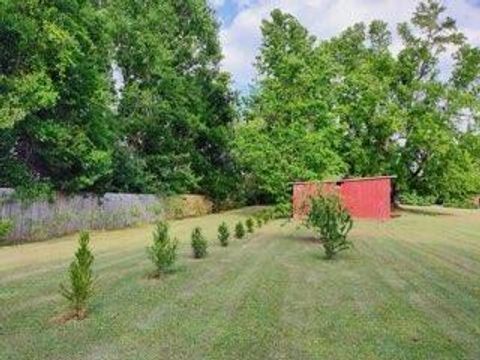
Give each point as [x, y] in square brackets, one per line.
[324, 18]
[216, 3]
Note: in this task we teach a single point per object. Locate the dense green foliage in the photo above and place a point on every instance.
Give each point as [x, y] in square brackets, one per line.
[331, 221]
[164, 127]
[176, 106]
[239, 230]
[282, 210]
[223, 234]
[349, 106]
[80, 287]
[415, 199]
[199, 244]
[55, 120]
[274, 157]
[163, 251]
[288, 135]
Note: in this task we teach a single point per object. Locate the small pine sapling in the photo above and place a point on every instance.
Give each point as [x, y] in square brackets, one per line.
[5, 228]
[199, 244]
[239, 230]
[266, 216]
[163, 251]
[80, 288]
[332, 222]
[223, 234]
[282, 210]
[250, 225]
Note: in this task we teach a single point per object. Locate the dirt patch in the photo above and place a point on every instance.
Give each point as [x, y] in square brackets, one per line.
[77, 315]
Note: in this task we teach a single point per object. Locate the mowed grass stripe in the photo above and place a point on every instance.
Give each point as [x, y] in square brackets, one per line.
[137, 293]
[106, 268]
[449, 301]
[192, 313]
[356, 300]
[106, 263]
[409, 290]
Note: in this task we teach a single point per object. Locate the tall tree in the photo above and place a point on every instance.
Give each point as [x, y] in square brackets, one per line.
[55, 94]
[360, 96]
[176, 104]
[430, 156]
[289, 134]
[380, 112]
[283, 67]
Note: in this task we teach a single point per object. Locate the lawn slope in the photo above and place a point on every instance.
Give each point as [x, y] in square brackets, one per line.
[409, 290]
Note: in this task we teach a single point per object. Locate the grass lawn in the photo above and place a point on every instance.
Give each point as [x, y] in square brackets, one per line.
[409, 290]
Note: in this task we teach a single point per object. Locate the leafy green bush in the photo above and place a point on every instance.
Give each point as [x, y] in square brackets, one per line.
[418, 200]
[163, 251]
[239, 230]
[461, 204]
[34, 191]
[130, 171]
[223, 234]
[199, 244]
[5, 228]
[259, 221]
[265, 215]
[331, 220]
[282, 210]
[250, 225]
[80, 288]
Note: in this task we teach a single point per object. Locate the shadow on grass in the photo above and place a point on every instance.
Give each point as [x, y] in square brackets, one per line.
[425, 211]
[341, 257]
[155, 275]
[311, 239]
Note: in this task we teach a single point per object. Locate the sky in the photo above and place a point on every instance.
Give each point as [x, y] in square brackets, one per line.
[240, 24]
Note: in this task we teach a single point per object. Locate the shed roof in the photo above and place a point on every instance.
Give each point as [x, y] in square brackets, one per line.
[371, 178]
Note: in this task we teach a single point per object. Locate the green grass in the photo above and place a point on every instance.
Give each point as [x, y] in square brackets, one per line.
[409, 290]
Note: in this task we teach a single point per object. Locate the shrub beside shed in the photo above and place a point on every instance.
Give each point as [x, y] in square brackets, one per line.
[369, 198]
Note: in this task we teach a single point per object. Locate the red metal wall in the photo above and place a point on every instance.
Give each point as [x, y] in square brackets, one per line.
[364, 198]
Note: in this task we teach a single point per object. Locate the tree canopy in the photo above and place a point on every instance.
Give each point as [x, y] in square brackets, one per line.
[122, 95]
[166, 130]
[369, 111]
[54, 110]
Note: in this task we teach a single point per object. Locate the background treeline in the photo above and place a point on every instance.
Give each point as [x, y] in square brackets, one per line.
[125, 95]
[350, 106]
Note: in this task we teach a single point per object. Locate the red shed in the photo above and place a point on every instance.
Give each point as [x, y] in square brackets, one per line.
[369, 198]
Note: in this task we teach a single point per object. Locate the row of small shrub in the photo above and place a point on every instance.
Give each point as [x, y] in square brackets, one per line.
[417, 200]
[327, 216]
[420, 200]
[162, 252]
[461, 204]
